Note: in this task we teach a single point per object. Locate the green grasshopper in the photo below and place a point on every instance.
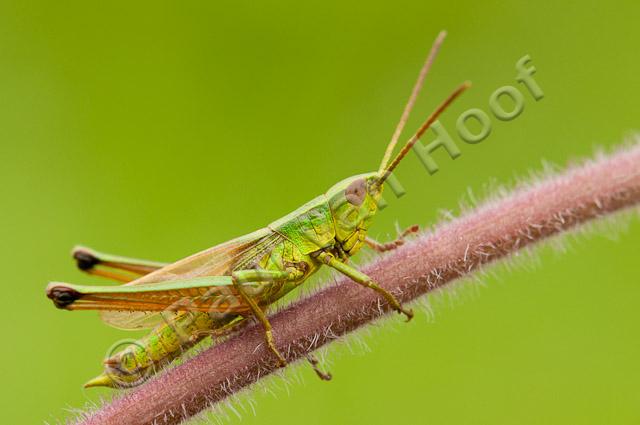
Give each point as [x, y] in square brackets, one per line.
[215, 292]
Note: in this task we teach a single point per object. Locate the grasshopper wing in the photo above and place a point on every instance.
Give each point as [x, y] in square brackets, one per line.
[151, 299]
[219, 260]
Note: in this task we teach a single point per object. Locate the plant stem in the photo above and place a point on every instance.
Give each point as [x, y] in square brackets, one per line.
[454, 249]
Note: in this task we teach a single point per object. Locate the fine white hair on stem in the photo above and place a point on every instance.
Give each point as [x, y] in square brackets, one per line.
[458, 248]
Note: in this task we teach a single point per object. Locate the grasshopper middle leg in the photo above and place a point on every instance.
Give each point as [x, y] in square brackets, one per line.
[246, 276]
[325, 376]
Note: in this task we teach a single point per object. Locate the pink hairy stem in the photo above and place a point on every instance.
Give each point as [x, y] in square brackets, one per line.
[494, 230]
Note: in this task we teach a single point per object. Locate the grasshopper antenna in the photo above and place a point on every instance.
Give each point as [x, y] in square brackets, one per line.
[425, 126]
[412, 99]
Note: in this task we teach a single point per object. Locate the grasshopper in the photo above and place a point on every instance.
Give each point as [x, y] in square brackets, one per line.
[215, 292]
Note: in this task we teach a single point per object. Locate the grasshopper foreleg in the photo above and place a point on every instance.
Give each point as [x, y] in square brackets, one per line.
[383, 247]
[364, 280]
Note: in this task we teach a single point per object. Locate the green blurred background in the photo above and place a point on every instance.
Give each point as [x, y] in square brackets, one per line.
[158, 129]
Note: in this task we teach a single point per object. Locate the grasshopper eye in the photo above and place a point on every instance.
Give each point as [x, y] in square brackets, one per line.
[356, 192]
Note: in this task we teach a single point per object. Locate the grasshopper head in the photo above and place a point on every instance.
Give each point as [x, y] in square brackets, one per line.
[354, 202]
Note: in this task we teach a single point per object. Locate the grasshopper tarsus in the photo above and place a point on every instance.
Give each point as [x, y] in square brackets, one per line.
[272, 346]
[389, 246]
[409, 230]
[325, 376]
[407, 313]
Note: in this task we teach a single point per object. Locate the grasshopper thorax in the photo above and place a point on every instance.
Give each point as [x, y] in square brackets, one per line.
[353, 203]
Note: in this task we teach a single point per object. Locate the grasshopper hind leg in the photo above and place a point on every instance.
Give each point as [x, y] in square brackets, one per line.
[114, 267]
